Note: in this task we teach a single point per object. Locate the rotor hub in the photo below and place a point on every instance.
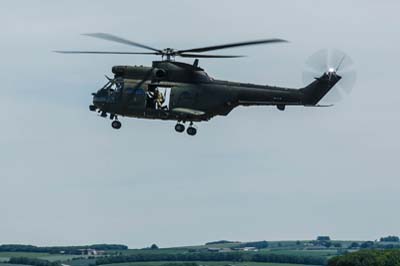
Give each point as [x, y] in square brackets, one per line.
[168, 53]
[331, 70]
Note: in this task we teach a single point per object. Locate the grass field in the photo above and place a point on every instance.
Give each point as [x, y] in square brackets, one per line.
[283, 251]
[316, 253]
[7, 255]
[290, 248]
[60, 257]
[7, 264]
[205, 263]
[150, 251]
[80, 262]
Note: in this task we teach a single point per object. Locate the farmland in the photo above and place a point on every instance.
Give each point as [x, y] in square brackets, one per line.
[219, 253]
[208, 263]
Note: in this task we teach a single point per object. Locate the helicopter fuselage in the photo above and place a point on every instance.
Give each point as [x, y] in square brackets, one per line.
[179, 91]
[189, 94]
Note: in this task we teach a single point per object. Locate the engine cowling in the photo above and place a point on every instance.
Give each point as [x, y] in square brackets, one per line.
[160, 73]
[131, 71]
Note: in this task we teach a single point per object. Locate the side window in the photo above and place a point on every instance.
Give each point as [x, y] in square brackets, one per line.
[139, 91]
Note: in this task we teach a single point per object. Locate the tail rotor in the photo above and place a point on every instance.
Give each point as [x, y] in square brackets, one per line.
[332, 62]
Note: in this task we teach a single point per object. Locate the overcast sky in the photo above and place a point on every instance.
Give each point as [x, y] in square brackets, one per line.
[68, 178]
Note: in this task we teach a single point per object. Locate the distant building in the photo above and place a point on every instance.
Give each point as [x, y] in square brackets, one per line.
[247, 249]
[91, 252]
[250, 249]
[225, 250]
[219, 250]
[323, 238]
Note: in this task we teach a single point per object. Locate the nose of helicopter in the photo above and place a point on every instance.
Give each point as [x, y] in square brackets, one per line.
[98, 99]
[99, 102]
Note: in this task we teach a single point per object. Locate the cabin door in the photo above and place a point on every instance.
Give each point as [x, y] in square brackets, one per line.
[166, 96]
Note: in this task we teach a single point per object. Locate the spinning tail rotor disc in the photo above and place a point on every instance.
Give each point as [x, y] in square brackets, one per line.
[334, 62]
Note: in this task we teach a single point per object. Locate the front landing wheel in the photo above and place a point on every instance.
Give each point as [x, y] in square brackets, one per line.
[116, 124]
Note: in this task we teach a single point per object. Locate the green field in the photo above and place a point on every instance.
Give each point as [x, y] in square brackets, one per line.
[296, 251]
[7, 255]
[60, 257]
[316, 253]
[7, 264]
[205, 263]
[151, 251]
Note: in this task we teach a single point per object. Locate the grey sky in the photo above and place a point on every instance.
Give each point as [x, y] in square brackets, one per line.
[68, 178]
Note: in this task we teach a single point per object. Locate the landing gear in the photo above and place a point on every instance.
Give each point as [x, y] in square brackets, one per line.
[179, 128]
[116, 124]
[281, 107]
[92, 108]
[191, 130]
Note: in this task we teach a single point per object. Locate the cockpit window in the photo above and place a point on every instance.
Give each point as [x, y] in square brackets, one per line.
[119, 84]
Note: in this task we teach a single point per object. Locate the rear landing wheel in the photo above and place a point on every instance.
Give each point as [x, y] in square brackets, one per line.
[180, 128]
[116, 124]
[191, 131]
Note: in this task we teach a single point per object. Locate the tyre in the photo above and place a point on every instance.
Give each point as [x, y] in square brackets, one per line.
[179, 128]
[191, 131]
[116, 124]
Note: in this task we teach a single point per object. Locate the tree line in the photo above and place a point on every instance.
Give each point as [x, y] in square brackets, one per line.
[390, 239]
[32, 261]
[65, 249]
[209, 256]
[221, 242]
[368, 257]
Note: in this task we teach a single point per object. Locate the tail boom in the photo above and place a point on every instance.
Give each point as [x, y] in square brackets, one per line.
[315, 91]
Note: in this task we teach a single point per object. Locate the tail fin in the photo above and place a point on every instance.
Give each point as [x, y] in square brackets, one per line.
[314, 92]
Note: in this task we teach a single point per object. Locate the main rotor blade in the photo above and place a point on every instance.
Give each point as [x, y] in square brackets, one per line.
[113, 38]
[209, 56]
[230, 45]
[102, 52]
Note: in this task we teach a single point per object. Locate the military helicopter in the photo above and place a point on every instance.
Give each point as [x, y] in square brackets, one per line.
[171, 90]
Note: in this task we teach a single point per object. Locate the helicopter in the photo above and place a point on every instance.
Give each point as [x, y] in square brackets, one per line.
[185, 93]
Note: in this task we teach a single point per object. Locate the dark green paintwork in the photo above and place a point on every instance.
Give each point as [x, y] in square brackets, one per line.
[192, 89]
